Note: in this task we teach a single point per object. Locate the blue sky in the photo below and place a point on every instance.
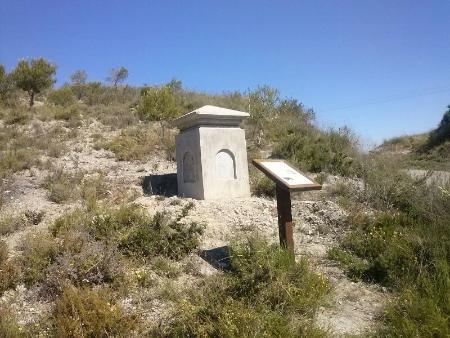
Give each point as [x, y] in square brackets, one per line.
[380, 67]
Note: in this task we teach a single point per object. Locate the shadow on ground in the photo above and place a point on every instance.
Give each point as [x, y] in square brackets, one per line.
[217, 257]
[164, 185]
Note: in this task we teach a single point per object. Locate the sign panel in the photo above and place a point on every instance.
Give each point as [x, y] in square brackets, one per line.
[284, 174]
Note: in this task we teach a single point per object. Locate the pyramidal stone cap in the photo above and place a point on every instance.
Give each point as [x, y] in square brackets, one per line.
[210, 116]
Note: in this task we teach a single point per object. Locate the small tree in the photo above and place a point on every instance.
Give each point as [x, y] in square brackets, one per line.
[79, 77]
[117, 75]
[78, 81]
[157, 103]
[6, 83]
[34, 76]
[175, 85]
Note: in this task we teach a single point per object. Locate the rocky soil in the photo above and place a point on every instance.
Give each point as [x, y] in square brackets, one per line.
[352, 307]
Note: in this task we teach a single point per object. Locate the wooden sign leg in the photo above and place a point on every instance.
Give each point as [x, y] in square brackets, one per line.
[285, 224]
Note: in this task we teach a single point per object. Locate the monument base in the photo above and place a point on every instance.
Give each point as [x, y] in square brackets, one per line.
[212, 163]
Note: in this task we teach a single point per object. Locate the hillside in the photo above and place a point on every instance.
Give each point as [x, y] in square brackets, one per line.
[87, 250]
[430, 151]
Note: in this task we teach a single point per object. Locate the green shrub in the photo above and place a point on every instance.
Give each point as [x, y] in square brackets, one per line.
[18, 159]
[63, 186]
[355, 266]
[133, 231]
[6, 85]
[72, 255]
[17, 115]
[10, 223]
[133, 144]
[169, 238]
[315, 151]
[116, 116]
[165, 267]
[83, 261]
[9, 328]
[265, 294]
[10, 275]
[39, 252]
[94, 188]
[157, 103]
[88, 313]
[261, 185]
[62, 96]
[405, 247]
[68, 113]
[9, 272]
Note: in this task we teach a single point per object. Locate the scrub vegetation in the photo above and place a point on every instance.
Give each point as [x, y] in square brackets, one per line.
[102, 262]
[403, 244]
[264, 294]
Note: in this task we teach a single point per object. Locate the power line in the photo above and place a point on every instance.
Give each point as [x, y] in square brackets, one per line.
[391, 99]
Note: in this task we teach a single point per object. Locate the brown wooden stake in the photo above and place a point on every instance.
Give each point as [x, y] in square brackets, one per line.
[285, 224]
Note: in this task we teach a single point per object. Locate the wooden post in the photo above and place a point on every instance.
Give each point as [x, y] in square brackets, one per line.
[285, 224]
[287, 179]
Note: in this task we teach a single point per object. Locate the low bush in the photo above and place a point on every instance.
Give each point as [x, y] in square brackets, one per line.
[94, 188]
[158, 103]
[10, 275]
[9, 328]
[165, 267]
[63, 186]
[88, 313]
[10, 223]
[9, 271]
[63, 96]
[314, 151]
[118, 116]
[73, 257]
[260, 184]
[133, 231]
[383, 250]
[17, 115]
[83, 261]
[133, 144]
[163, 236]
[14, 160]
[39, 252]
[265, 294]
[404, 246]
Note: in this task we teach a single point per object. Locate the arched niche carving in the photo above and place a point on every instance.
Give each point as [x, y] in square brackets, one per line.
[189, 168]
[225, 164]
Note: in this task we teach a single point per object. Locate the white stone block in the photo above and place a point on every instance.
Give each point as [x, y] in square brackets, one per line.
[212, 154]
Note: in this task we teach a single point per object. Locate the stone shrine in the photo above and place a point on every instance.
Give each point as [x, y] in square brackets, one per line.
[212, 154]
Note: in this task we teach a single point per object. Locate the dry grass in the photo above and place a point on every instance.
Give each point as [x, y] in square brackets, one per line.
[12, 223]
[133, 144]
[88, 313]
[9, 328]
[265, 294]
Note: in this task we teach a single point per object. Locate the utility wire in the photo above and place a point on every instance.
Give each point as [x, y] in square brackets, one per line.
[391, 99]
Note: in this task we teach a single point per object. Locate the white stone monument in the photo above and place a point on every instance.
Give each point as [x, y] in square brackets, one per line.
[212, 154]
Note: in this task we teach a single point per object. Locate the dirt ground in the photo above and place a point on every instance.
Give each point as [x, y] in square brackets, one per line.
[352, 307]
